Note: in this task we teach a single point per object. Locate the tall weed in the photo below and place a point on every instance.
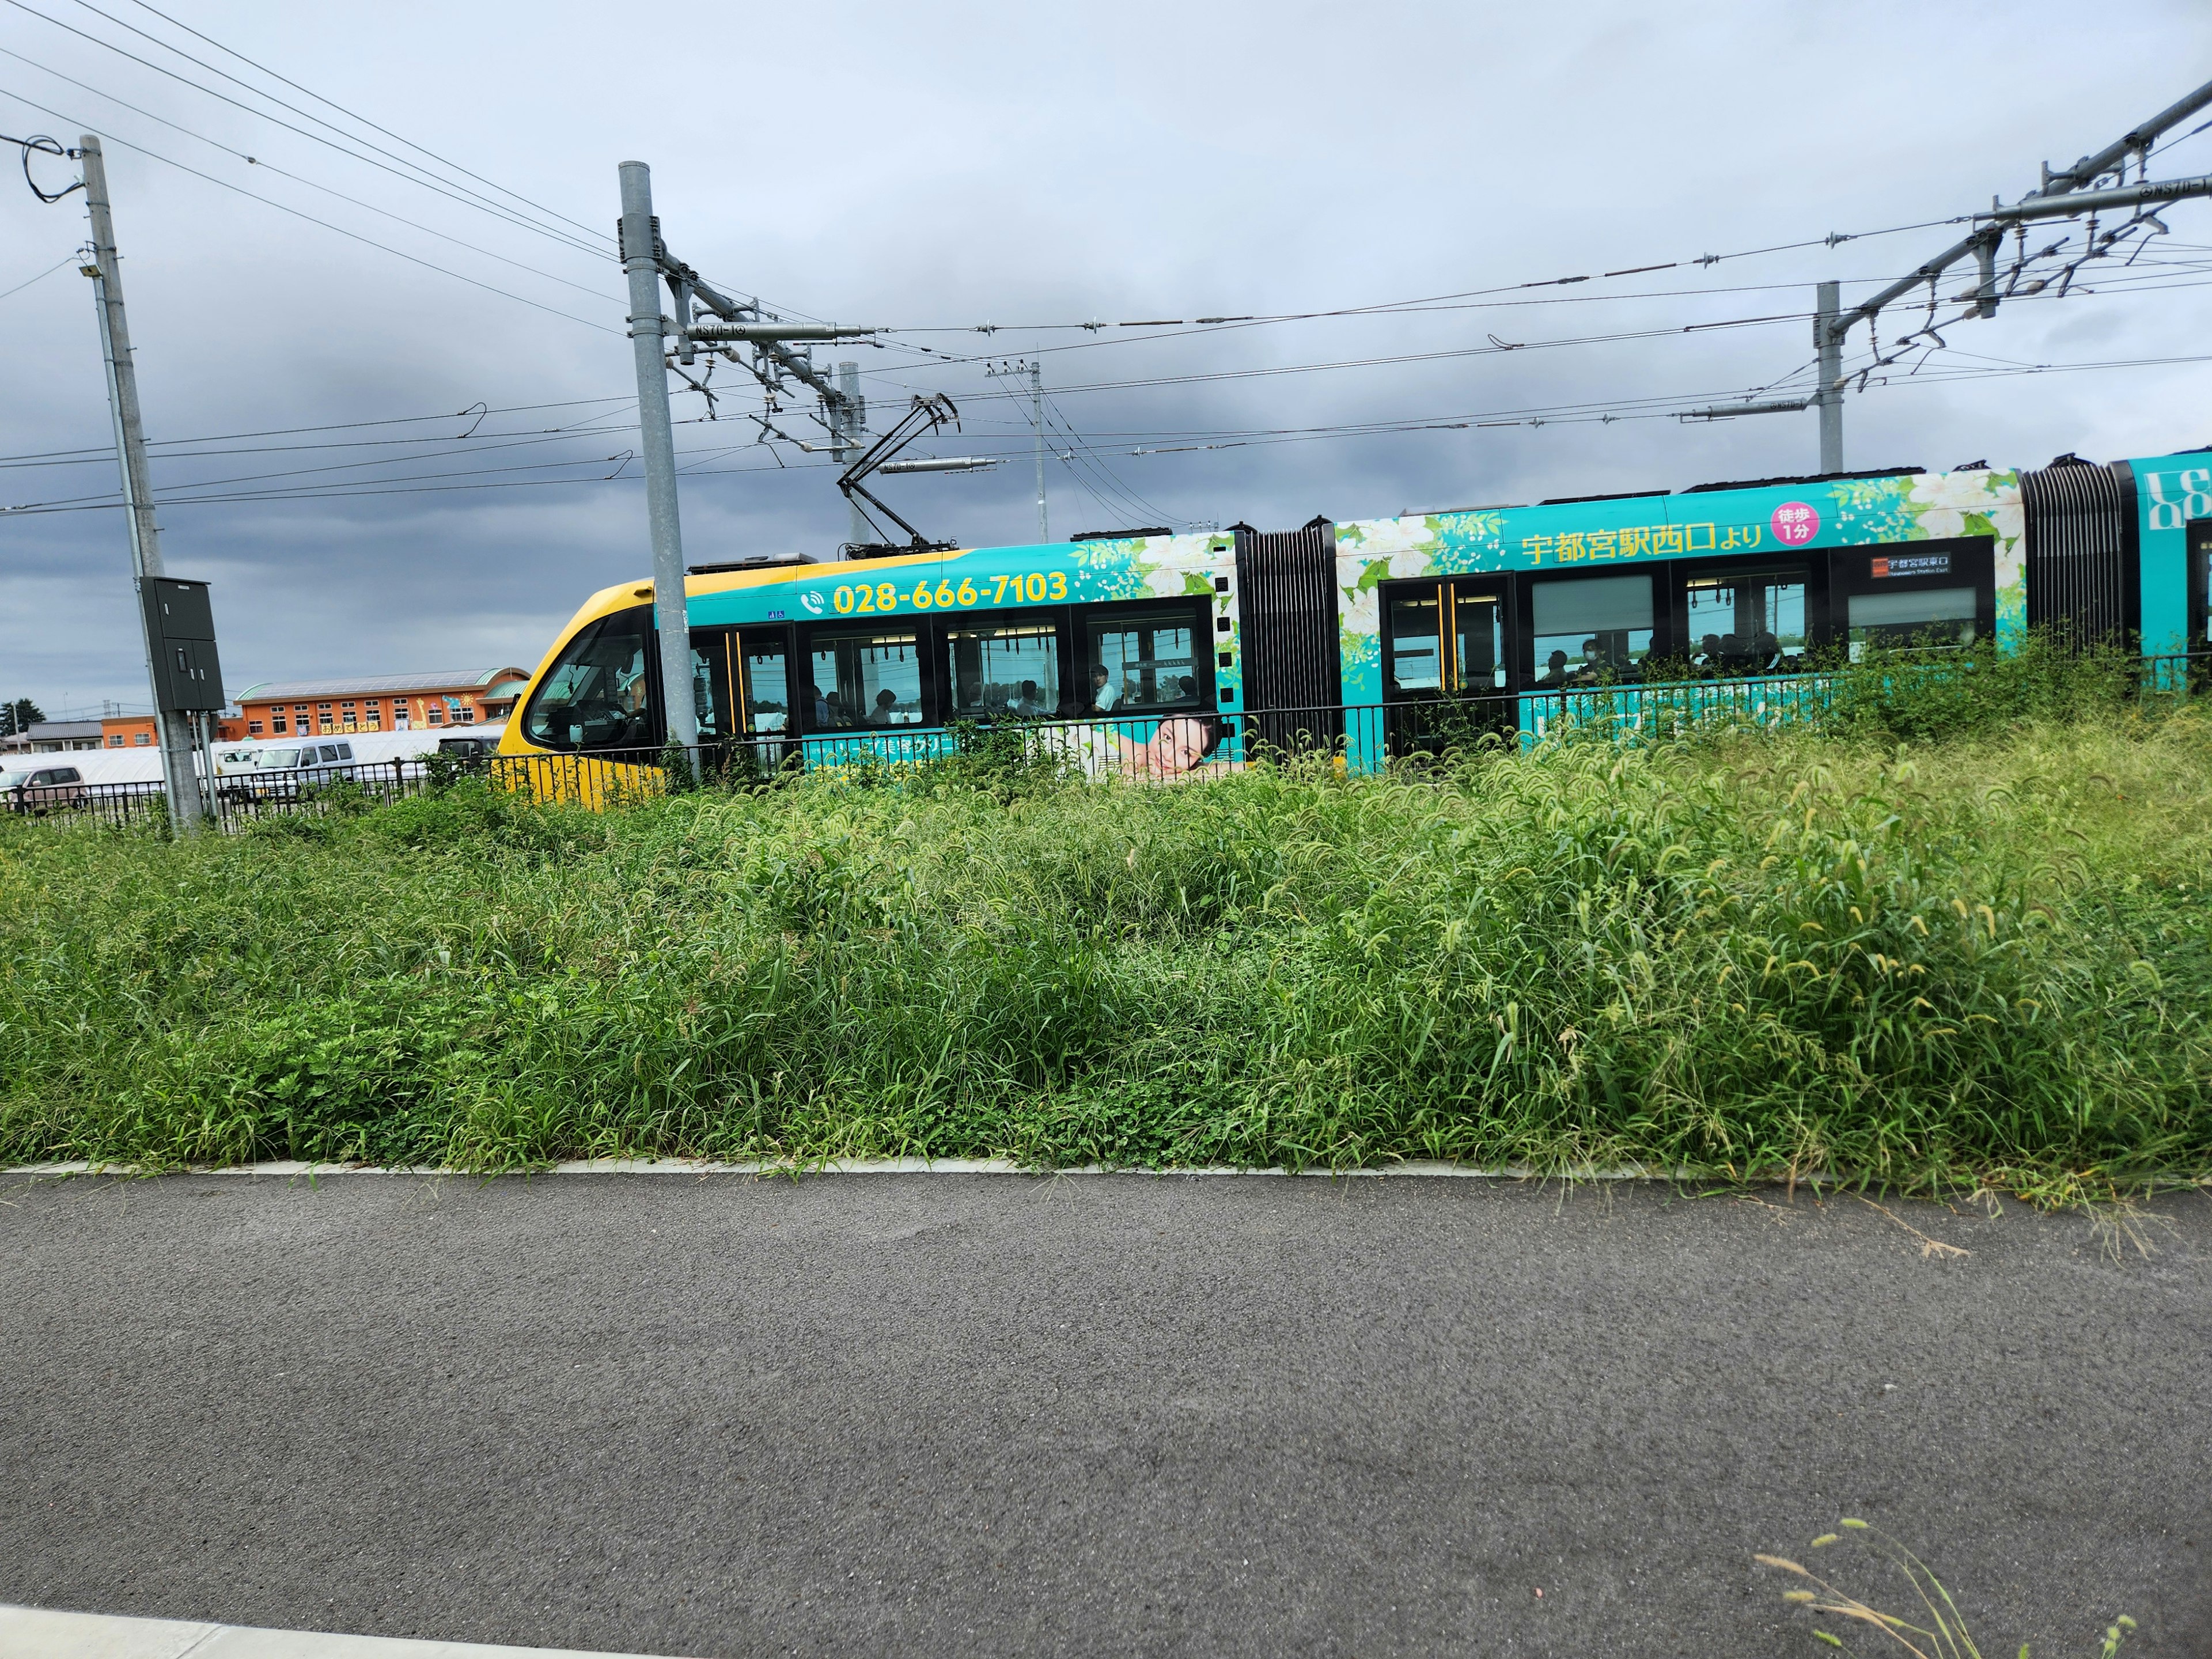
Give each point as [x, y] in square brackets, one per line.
[1983, 959]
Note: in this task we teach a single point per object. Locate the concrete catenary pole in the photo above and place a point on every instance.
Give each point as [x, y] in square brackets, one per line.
[173, 728]
[1828, 353]
[641, 249]
[1037, 415]
[853, 423]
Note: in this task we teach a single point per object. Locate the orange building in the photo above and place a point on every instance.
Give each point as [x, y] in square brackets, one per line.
[384, 702]
[137, 731]
[127, 731]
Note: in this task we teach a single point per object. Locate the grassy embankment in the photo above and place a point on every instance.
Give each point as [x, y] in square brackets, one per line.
[1978, 955]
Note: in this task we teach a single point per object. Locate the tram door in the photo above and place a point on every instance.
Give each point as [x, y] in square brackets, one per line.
[1444, 662]
[741, 679]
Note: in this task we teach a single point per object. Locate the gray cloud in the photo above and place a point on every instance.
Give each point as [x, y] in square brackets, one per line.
[947, 166]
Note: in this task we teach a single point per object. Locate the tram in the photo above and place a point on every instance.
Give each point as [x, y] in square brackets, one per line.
[1174, 653]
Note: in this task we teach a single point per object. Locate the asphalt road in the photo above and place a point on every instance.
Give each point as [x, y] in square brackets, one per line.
[924, 1415]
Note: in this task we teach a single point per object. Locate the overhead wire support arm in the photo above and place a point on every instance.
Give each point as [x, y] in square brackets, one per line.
[753, 332]
[2095, 201]
[942, 464]
[2057, 196]
[1724, 411]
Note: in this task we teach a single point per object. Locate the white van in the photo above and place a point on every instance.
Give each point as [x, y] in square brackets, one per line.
[280, 771]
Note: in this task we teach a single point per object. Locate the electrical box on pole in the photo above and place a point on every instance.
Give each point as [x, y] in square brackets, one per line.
[180, 640]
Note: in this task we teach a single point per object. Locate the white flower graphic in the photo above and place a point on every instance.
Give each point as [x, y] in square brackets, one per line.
[1941, 501]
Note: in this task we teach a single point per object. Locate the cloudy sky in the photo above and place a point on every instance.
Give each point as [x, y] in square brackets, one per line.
[935, 168]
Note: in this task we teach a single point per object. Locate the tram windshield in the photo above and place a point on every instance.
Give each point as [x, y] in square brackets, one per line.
[595, 697]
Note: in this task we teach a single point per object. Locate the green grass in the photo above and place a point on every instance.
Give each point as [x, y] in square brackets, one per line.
[1982, 959]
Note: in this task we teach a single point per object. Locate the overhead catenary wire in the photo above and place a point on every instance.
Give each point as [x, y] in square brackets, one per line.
[392, 460]
[476, 409]
[1558, 416]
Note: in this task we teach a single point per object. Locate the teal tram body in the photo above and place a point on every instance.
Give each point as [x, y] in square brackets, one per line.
[1177, 653]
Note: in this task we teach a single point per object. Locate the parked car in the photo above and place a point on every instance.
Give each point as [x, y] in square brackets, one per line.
[470, 751]
[284, 771]
[39, 787]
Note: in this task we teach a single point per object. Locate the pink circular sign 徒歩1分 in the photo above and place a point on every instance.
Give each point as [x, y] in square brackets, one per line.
[1796, 523]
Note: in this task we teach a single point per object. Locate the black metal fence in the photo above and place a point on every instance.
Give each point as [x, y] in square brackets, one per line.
[239, 798]
[1167, 746]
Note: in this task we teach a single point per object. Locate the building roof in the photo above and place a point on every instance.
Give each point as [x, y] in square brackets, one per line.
[53, 730]
[378, 685]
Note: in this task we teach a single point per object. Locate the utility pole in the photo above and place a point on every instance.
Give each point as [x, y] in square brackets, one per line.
[642, 260]
[1828, 356]
[848, 416]
[1037, 416]
[2063, 194]
[172, 726]
[1034, 372]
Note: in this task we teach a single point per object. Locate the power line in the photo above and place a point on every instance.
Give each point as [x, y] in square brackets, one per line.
[382, 461]
[417, 176]
[1558, 414]
[1440, 302]
[600, 235]
[476, 411]
[66, 260]
[255, 160]
[353, 235]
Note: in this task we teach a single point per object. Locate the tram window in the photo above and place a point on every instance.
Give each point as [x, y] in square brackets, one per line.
[710, 653]
[1443, 638]
[767, 686]
[1416, 644]
[1004, 672]
[1144, 662]
[1748, 622]
[1590, 630]
[1479, 626]
[1933, 617]
[866, 679]
[595, 695]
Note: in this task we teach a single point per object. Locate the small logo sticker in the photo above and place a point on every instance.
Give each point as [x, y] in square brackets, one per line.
[812, 602]
[1796, 523]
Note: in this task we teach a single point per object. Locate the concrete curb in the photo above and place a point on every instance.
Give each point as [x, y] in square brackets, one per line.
[1427, 1169]
[42, 1633]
